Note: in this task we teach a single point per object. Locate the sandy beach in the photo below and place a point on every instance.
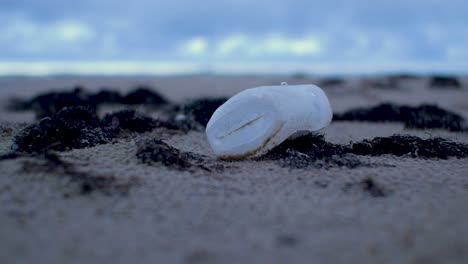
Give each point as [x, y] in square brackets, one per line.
[392, 209]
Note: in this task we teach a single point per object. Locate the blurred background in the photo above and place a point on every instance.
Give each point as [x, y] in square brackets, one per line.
[245, 37]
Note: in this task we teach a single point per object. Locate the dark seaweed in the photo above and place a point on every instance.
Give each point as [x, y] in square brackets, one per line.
[79, 127]
[299, 76]
[152, 151]
[144, 95]
[421, 117]
[106, 96]
[51, 103]
[327, 82]
[156, 150]
[189, 116]
[133, 121]
[444, 82]
[404, 76]
[201, 110]
[375, 189]
[72, 127]
[48, 104]
[405, 145]
[314, 150]
[370, 186]
[11, 155]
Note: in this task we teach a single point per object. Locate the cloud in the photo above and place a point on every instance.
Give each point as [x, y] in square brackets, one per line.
[245, 46]
[24, 36]
[278, 45]
[194, 47]
[61, 31]
[24, 39]
[301, 32]
[72, 32]
[232, 44]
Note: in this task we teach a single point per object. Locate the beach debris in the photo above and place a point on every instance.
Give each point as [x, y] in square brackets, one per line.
[423, 116]
[134, 121]
[45, 105]
[313, 150]
[157, 151]
[198, 112]
[299, 76]
[404, 76]
[441, 81]
[411, 146]
[194, 115]
[72, 127]
[331, 82]
[381, 83]
[144, 95]
[106, 96]
[373, 188]
[79, 127]
[256, 120]
[48, 104]
[369, 186]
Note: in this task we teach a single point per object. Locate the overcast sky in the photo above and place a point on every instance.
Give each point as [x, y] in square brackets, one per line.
[363, 34]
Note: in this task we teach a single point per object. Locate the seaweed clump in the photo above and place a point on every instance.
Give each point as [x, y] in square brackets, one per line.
[374, 189]
[48, 104]
[134, 121]
[200, 111]
[79, 127]
[406, 145]
[72, 127]
[312, 149]
[369, 186]
[144, 95]
[156, 150]
[423, 116]
[328, 82]
[106, 96]
[444, 82]
[404, 76]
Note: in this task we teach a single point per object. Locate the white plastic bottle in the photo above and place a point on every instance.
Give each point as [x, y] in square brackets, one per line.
[255, 120]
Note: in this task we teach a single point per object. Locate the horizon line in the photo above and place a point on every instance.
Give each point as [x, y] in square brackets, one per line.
[135, 68]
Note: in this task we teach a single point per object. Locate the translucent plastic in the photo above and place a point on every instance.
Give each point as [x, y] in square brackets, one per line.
[254, 121]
